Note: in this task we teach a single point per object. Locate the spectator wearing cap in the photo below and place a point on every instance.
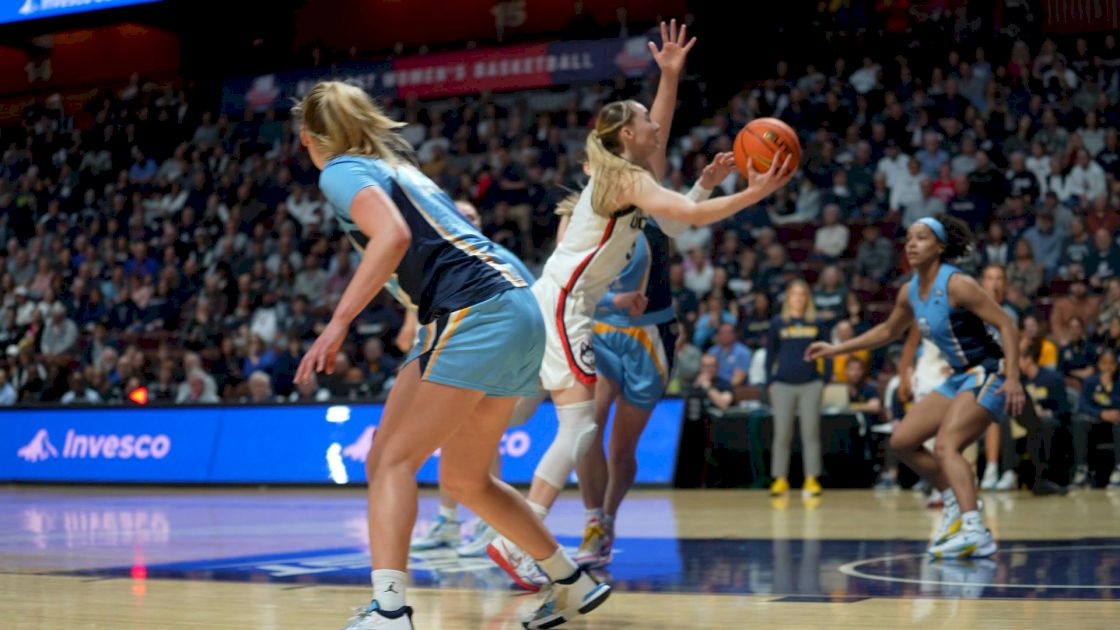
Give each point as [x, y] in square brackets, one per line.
[60, 335]
[1103, 262]
[1046, 241]
[24, 307]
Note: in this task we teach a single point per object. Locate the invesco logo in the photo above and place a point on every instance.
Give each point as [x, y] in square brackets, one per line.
[93, 446]
[515, 444]
[112, 446]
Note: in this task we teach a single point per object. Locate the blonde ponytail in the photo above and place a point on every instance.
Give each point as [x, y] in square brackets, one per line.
[612, 172]
[344, 120]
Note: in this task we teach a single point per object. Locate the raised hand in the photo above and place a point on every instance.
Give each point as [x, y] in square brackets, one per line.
[674, 47]
[717, 170]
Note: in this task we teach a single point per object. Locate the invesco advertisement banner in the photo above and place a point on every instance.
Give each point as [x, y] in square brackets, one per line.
[19, 10]
[275, 444]
[450, 74]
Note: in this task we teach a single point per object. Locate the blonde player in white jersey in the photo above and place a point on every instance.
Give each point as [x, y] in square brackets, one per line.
[626, 157]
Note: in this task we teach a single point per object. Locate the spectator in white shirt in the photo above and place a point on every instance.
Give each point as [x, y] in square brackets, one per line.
[60, 335]
[1086, 179]
[927, 205]
[695, 237]
[893, 164]
[1039, 162]
[906, 189]
[698, 272]
[832, 238]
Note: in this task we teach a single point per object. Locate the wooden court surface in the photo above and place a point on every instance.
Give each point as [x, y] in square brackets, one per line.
[167, 558]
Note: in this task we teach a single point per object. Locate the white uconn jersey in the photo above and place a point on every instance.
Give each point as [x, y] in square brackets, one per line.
[594, 249]
[589, 257]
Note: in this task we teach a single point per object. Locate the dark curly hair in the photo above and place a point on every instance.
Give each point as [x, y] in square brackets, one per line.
[958, 237]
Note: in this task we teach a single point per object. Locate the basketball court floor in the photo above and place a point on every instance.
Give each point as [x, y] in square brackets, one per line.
[244, 558]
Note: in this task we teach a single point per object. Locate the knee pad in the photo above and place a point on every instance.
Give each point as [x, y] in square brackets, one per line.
[575, 434]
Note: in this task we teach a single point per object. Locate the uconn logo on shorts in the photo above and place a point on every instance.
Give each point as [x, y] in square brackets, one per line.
[587, 355]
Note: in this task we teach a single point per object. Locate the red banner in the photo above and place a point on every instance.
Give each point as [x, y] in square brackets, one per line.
[472, 71]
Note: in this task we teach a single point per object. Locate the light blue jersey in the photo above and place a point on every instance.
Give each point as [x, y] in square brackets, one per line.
[482, 329]
[964, 339]
[449, 264]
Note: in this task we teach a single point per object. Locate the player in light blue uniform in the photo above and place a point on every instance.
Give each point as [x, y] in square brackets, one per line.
[445, 531]
[950, 309]
[457, 391]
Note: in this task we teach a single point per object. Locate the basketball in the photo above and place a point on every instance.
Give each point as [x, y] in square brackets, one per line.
[761, 139]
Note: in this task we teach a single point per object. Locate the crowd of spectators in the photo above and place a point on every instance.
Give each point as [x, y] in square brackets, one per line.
[150, 241]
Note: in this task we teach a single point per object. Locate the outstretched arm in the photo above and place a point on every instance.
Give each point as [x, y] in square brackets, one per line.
[674, 48]
[901, 316]
[662, 203]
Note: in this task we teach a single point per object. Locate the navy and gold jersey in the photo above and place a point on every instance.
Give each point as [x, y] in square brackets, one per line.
[785, 351]
[1098, 395]
[1048, 390]
[960, 334]
[449, 264]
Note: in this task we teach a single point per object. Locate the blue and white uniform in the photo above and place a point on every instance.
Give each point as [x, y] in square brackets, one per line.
[469, 297]
[637, 353]
[975, 357]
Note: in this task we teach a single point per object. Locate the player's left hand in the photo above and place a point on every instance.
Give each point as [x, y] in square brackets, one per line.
[718, 170]
[320, 357]
[1016, 398]
[674, 48]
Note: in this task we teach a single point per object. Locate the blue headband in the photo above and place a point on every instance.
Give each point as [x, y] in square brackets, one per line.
[936, 226]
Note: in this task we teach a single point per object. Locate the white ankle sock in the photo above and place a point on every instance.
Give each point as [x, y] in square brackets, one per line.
[558, 566]
[538, 509]
[389, 588]
[608, 522]
[972, 521]
[449, 513]
[595, 514]
[949, 498]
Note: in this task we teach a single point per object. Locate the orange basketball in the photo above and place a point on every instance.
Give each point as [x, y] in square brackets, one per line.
[761, 140]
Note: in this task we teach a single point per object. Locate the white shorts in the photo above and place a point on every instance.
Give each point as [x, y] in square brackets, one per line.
[568, 355]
